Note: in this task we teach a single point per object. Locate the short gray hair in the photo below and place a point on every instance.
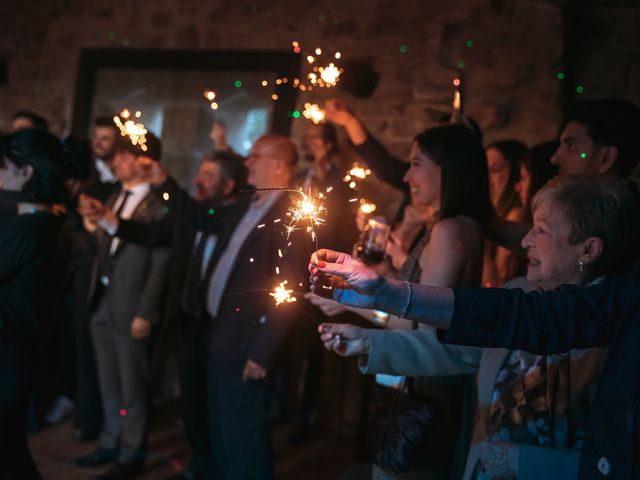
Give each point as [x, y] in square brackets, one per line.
[598, 207]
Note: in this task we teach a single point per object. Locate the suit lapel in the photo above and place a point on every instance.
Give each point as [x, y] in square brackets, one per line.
[142, 212]
[266, 218]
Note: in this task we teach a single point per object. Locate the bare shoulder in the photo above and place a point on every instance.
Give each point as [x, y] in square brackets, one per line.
[456, 229]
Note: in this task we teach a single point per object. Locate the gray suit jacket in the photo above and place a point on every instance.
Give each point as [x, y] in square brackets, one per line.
[419, 353]
[139, 273]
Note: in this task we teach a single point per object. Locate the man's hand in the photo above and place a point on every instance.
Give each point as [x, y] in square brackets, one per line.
[253, 371]
[344, 339]
[91, 208]
[151, 171]
[337, 112]
[140, 328]
[345, 279]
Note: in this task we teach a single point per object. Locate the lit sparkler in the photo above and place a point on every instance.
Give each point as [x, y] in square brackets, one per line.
[356, 174]
[367, 208]
[314, 113]
[330, 74]
[281, 294]
[129, 127]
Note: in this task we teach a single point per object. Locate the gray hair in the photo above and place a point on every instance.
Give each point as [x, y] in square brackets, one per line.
[598, 207]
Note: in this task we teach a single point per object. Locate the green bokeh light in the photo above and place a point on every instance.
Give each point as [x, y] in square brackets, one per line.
[296, 114]
[237, 83]
[469, 43]
[403, 49]
[460, 65]
[211, 211]
[560, 76]
[579, 89]
[583, 155]
[125, 41]
[321, 17]
[165, 210]
[111, 35]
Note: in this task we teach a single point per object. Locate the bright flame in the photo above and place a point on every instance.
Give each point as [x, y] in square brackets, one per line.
[282, 295]
[314, 113]
[135, 131]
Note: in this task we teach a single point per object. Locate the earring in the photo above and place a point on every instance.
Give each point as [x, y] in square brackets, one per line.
[580, 266]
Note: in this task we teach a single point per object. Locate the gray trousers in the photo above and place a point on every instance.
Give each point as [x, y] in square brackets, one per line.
[124, 386]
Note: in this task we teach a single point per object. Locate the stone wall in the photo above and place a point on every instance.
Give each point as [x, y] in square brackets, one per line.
[515, 50]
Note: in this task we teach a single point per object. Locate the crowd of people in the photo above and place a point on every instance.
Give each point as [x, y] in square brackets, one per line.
[492, 361]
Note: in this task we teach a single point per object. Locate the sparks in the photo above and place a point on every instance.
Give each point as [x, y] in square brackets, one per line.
[282, 295]
[355, 174]
[135, 131]
[314, 113]
[330, 74]
[368, 208]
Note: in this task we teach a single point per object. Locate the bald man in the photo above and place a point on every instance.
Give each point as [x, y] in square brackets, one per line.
[246, 330]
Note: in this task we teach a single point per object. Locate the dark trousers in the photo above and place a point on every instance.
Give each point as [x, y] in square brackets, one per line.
[88, 413]
[238, 421]
[192, 362]
[123, 375]
[304, 371]
[17, 365]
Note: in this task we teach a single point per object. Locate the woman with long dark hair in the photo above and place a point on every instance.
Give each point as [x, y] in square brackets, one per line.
[31, 172]
[448, 180]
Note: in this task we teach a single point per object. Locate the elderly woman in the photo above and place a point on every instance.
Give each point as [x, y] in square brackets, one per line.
[533, 408]
[551, 322]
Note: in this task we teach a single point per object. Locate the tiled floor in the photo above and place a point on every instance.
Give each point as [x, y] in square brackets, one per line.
[324, 456]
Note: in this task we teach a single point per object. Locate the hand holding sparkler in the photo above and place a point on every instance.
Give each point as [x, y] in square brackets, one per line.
[345, 279]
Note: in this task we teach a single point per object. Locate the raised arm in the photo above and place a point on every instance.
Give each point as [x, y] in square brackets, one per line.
[386, 166]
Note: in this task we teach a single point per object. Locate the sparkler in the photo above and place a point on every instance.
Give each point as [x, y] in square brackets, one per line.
[282, 295]
[314, 113]
[129, 127]
[367, 208]
[356, 174]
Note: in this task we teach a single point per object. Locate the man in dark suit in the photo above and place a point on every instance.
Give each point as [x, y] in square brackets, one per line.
[246, 327]
[220, 177]
[126, 296]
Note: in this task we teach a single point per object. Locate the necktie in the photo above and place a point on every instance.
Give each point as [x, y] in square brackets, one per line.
[192, 293]
[106, 255]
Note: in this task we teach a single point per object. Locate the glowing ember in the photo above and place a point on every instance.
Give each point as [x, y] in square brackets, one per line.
[135, 131]
[368, 208]
[356, 174]
[330, 74]
[309, 210]
[314, 113]
[282, 295]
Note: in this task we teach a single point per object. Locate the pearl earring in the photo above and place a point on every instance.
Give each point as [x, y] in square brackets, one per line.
[580, 266]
